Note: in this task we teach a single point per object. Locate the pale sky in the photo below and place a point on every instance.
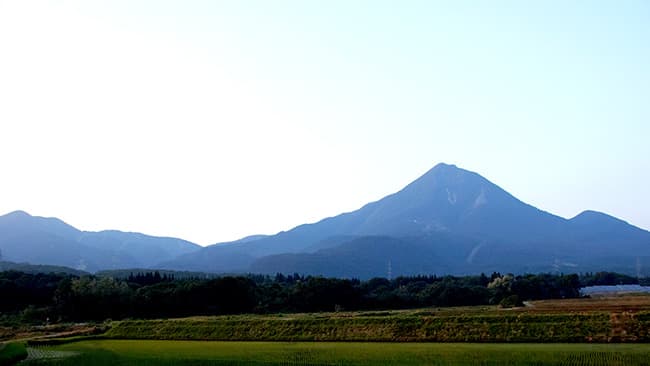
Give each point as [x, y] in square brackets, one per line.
[213, 120]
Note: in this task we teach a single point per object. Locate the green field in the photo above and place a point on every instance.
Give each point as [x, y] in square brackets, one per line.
[125, 352]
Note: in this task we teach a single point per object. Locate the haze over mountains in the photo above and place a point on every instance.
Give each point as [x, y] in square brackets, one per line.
[449, 221]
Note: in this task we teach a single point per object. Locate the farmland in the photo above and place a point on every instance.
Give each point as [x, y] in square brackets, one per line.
[610, 319]
[128, 352]
[611, 330]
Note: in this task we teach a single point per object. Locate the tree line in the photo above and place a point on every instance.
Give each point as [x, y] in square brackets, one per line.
[60, 297]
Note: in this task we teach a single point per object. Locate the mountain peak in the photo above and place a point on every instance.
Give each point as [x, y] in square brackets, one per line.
[443, 175]
[18, 213]
[445, 166]
[590, 216]
[589, 213]
[442, 168]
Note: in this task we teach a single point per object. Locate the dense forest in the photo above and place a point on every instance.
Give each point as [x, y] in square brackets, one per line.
[39, 298]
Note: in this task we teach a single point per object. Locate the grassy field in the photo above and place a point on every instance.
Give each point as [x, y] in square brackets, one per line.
[624, 319]
[125, 352]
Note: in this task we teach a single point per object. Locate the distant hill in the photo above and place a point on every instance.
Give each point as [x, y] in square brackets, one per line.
[40, 240]
[38, 268]
[177, 275]
[450, 220]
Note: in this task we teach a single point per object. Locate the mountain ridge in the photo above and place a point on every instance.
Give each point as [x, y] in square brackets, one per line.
[48, 240]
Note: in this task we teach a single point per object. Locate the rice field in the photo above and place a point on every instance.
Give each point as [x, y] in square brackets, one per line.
[376, 338]
[197, 353]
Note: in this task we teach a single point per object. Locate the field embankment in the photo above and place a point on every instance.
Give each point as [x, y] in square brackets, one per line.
[460, 325]
[24, 332]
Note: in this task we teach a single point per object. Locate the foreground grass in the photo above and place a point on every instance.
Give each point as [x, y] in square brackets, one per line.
[11, 353]
[125, 352]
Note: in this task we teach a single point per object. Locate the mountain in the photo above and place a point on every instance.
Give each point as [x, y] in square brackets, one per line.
[39, 268]
[449, 220]
[40, 240]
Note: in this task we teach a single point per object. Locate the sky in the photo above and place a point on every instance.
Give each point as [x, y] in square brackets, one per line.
[213, 120]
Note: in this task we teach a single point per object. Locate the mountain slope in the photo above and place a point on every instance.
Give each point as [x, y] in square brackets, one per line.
[489, 228]
[39, 240]
[147, 250]
[372, 256]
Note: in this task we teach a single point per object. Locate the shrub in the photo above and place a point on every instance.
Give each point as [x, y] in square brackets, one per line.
[510, 302]
[12, 353]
